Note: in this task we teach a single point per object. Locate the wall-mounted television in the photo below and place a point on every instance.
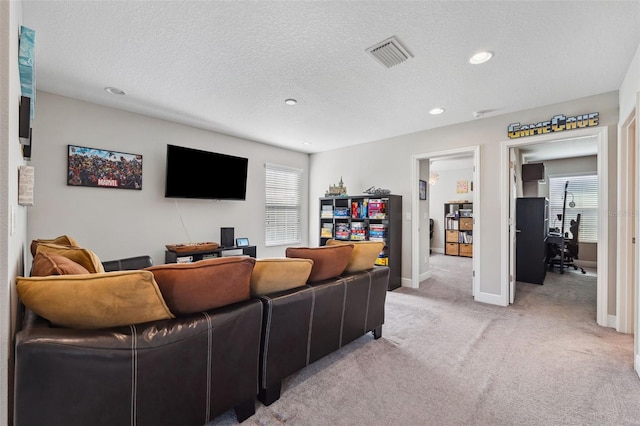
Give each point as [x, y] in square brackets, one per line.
[194, 173]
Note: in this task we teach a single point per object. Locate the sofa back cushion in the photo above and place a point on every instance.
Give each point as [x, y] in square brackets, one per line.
[62, 240]
[204, 285]
[328, 261]
[278, 274]
[363, 256]
[84, 257]
[99, 300]
[45, 264]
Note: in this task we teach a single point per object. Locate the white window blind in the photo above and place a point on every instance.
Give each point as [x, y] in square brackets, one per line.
[583, 191]
[283, 187]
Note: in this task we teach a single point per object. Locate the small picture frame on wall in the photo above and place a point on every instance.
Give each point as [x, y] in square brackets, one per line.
[422, 186]
[462, 187]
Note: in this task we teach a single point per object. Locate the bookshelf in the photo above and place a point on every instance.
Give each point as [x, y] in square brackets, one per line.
[458, 229]
[366, 218]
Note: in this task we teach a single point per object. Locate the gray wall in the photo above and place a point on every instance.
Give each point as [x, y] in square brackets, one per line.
[387, 163]
[116, 223]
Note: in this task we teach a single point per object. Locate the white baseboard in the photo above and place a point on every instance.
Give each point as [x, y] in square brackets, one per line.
[611, 321]
[406, 282]
[586, 263]
[493, 299]
[425, 275]
[637, 365]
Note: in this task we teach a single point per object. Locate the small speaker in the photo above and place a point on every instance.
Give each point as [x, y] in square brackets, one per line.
[26, 148]
[532, 172]
[227, 238]
[25, 117]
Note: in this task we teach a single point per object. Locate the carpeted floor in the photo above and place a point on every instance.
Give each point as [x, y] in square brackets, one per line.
[444, 359]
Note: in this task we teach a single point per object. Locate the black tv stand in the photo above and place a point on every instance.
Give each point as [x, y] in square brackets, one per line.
[194, 256]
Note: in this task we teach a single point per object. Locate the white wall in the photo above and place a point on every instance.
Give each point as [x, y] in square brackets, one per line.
[13, 238]
[424, 213]
[118, 223]
[444, 191]
[628, 100]
[387, 163]
[630, 87]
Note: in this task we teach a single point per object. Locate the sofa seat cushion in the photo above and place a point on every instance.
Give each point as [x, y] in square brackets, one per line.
[45, 264]
[277, 274]
[83, 256]
[328, 261]
[363, 256]
[199, 286]
[62, 240]
[98, 300]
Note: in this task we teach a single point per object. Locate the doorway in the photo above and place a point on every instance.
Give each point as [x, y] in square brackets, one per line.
[627, 258]
[420, 214]
[508, 230]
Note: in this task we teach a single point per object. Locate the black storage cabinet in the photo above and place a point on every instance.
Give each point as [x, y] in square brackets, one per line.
[532, 226]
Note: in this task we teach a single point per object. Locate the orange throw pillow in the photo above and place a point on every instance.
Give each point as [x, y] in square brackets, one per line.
[328, 261]
[45, 264]
[204, 285]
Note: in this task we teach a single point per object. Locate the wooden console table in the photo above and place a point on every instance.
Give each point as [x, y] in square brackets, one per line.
[172, 256]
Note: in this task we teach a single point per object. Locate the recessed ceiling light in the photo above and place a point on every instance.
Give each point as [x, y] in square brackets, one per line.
[114, 91]
[480, 58]
[307, 143]
[290, 102]
[436, 111]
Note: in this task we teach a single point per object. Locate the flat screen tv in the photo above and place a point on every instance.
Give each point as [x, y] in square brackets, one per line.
[193, 173]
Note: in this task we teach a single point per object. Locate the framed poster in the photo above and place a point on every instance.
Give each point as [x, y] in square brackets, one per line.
[423, 189]
[103, 168]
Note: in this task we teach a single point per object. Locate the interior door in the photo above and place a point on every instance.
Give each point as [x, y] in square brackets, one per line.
[513, 194]
[633, 139]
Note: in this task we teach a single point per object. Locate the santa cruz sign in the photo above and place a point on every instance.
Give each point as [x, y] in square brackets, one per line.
[558, 123]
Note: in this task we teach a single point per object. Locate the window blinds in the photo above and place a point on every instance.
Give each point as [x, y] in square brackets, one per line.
[583, 191]
[283, 187]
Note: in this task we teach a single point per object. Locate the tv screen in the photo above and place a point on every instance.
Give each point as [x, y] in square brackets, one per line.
[193, 173]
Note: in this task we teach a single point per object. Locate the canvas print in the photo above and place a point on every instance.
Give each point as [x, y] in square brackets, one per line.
[103, 168]
[462, 187]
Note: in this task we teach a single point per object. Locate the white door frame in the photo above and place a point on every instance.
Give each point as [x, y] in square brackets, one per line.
[415, 212]
[603, 211]
[627, 253]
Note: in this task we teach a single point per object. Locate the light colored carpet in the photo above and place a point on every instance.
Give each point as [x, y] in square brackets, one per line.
[444, 359]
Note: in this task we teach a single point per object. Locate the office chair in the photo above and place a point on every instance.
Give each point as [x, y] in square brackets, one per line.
[572, 245]
[430, 234]
[564, 257]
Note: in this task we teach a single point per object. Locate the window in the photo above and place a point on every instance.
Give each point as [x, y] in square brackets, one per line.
[583, 191]
[283, 205]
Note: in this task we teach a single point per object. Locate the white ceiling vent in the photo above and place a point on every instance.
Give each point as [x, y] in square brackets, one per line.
[389, 52]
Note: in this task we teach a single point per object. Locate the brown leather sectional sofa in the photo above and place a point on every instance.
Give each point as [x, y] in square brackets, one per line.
[187, 370]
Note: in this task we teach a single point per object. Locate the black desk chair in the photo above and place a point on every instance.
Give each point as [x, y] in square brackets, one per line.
[430, 234]
[562, 255]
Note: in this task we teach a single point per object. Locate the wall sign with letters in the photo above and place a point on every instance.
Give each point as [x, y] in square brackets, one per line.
[558, 123]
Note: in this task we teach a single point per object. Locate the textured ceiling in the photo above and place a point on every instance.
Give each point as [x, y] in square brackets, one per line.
[228, 66]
